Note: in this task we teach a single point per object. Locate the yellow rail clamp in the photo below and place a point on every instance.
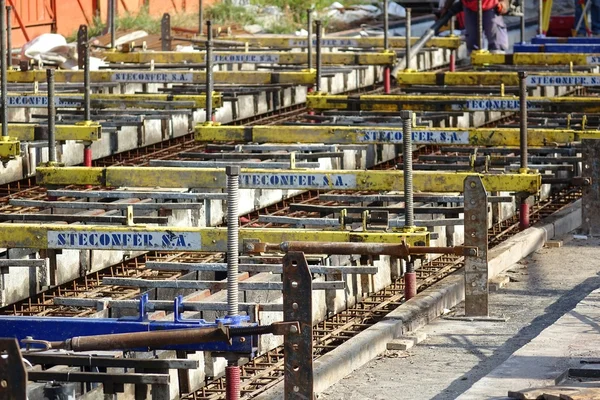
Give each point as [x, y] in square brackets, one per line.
[214, 178]
[479, 59]
[73, 100]
[10, 148]
[280, 58]
[87, 132]
[305, 77]
[320, 101]
[382, 135]
[169, 238]
[289, 41]
[489, 78]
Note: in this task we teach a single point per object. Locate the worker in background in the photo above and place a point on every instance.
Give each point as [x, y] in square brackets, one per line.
[494, 27]
[595, 11]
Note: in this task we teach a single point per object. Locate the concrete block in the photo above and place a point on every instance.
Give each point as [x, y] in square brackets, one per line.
[400, 344]
[498, 282]
[416, 336]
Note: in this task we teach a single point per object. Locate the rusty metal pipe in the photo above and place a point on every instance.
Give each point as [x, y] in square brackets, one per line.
[149, 340]
[367, 249]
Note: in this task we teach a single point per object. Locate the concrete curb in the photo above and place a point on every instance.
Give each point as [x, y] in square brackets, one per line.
[429, 304]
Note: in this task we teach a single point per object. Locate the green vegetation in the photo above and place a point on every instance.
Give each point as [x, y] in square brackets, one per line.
[222, 13]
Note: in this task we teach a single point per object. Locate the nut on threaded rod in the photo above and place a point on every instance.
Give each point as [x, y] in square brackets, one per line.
[233, 230]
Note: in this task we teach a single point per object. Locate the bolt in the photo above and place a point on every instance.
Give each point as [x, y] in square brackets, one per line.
[242, 339]
[293, 329]
[4, 383]
[232, 170]
[473, 185]
[294, 285]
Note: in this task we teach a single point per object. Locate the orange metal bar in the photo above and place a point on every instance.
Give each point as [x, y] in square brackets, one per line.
[19, 21]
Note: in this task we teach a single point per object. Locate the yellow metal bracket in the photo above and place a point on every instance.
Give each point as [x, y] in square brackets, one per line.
[87, 131]
[10, 148]
[210, 133]
[214, 178]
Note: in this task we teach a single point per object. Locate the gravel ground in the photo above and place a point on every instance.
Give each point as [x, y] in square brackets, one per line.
[456, 354]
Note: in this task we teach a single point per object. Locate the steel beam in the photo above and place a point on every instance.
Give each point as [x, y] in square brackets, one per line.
[484, 58]
[213, 286]
[290, 41]
[100, 100]
[380, 134]
[176, 77]
[319, 101]
[280, 179]
[281, 58]
[490, 78]
[273, 268]
[476, 267]
[142, 238]
[89, 132]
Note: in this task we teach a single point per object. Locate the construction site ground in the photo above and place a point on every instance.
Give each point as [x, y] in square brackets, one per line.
[456, 354]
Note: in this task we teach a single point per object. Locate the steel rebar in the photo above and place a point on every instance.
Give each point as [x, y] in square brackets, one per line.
[3, 68]
[200, 16]
[233, 231]
[409, 216]
[480, 25]
[51, 117]
[319, 55]
[523, 25]
[9, 35]
[112, 21]
[209, 71]
[408, 55]
[523, 117]
[310, 33]
[540, 16]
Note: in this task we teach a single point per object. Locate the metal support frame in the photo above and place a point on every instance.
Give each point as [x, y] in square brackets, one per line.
[590, 221]
[263, 57]
[165, 33]
[13, 375]
[210, 178]
[476, 268]
[495, 78]
[459, 103]
[382, 134]
[297, 306]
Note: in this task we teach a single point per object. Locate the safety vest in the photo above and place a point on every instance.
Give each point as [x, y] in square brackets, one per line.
[473, 4]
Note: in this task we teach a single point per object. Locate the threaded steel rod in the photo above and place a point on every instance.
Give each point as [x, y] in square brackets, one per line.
[409, 217]
[408, 35]
[87, 82]
[233, 230]
[523, 24]
[319, 55]
[51, 117]
[3, 68]
[386, 25]
[480, 24]
[540, 16]
[310, 33]
[209, 71]
[113, 28]
[9, 36]
[200, 16]
[523, 122]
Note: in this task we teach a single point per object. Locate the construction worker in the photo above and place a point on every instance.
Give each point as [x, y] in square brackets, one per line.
[494, 27]
[595, 11]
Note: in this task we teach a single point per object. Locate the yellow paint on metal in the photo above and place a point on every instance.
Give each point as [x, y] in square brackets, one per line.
[479, 59]
[289, 41]
[281, 58]
[88, 132]
[320, 101]
[305, 77]
[10, 148]
[214, 178]
[35, 236]
[383, 135]
[477, 78]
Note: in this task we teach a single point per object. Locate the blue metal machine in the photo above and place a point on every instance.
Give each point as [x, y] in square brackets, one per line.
[53, 329]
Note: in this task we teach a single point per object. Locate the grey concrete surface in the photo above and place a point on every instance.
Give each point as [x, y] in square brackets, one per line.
[543, 287]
